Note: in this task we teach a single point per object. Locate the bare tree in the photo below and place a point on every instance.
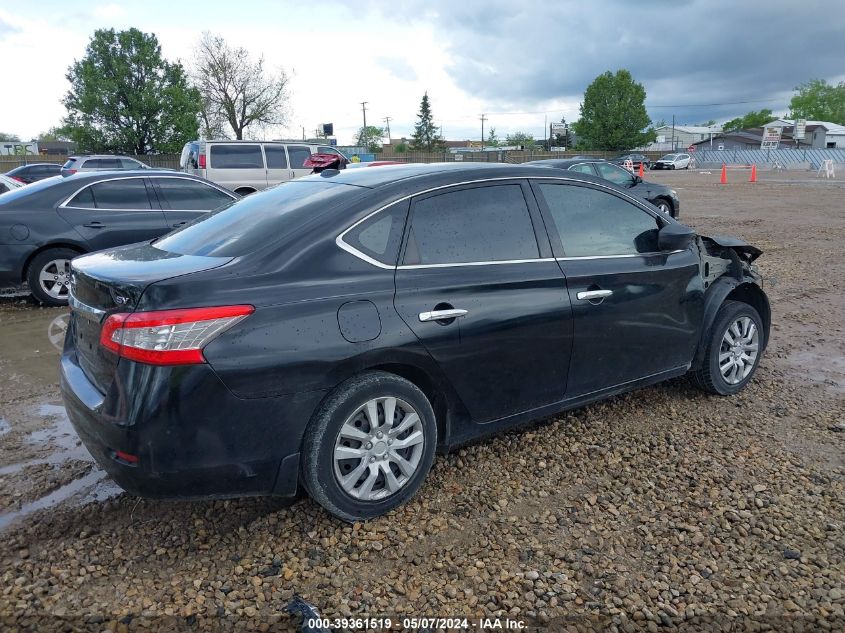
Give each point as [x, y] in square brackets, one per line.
[236, 90]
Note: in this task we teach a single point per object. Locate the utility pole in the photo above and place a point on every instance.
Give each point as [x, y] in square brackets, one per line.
[364, 130]
[673, 132]
[387, 123]
[483, 119]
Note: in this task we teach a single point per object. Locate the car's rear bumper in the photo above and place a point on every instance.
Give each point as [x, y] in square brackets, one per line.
[191, 436]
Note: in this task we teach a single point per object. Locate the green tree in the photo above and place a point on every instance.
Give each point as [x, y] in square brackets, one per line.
[125, 97]
[401, 148]
[370, 138]
[521, 138]
[752, 119]
[55, 133]
[9, 137]
[613, 114]
[426, 138]
[492, 139]
[817, 100]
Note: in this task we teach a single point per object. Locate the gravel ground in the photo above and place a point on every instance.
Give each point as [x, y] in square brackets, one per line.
[664, 509]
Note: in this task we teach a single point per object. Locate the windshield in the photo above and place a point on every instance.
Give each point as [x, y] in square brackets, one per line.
[670, 157]
[249, 223]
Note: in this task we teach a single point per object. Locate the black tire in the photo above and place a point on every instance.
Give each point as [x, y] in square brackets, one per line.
[42, 262]
[318, 466]
[665, 206]
[708, 377]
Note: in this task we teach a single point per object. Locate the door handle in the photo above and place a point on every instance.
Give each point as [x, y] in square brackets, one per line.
[94, 225]
[442, 315]
[178, 224]
[592, 295]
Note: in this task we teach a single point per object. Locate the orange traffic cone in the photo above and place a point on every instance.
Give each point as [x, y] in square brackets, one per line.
[753, 173]
[724, 178]
[641, 170]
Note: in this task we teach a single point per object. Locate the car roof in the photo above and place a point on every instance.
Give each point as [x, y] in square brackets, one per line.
[127, 173]
[564, 163]
[414, 174]
[78, 156]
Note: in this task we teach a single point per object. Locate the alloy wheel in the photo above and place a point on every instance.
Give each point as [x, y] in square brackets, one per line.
[378, 449]
[54, 278]
[738, 351]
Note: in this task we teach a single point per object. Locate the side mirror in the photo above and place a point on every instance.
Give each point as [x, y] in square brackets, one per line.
[674, 237]
[637, 179]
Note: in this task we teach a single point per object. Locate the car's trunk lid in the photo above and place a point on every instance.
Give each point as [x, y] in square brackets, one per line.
[113, 281]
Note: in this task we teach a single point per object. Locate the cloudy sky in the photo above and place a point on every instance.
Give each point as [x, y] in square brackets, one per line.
[521, 62]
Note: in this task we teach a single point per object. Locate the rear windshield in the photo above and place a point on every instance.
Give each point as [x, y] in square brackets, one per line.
[69, 163]
[257, 220]
[23, 192]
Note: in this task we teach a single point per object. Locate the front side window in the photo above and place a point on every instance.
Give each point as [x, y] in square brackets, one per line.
[482, 224]
[236, 157]
[592, 223]
[124, 193]
[185, 194]
[298, 155]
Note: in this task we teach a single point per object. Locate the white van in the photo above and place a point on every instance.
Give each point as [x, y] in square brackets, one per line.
[249, 166]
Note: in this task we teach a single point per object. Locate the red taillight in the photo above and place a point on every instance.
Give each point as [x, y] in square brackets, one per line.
[69, 171]
[18, 179]
[127, 457]
[168, 337]
[201, 162]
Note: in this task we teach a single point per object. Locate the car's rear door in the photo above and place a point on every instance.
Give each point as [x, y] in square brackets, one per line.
[636, 310]
[278, 169]
[114, 211]
[478, 287]
[184, 200]
[237, 165]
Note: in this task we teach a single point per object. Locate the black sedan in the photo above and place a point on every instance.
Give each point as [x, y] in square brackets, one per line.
[663, 197]
[337, 329]
[46, 224]
[34, 172]
[636, 160]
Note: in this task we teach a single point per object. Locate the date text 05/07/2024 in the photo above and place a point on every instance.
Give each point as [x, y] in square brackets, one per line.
[417, 623]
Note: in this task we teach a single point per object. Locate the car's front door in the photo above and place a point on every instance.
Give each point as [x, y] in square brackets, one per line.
[184, 200]
[636, 310]
[478, 286]
[297, 155]
[114, 212]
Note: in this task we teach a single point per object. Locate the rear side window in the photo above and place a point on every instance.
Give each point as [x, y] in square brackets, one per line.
[592, 223]
[482, 224]
[102, 163]
[298, 155]
[124, 193]
[185, 194]
[276, 157]
[584, 168]
[128, 163]
[236, 157]
[616, 175]
[380, 236]
[257, 220]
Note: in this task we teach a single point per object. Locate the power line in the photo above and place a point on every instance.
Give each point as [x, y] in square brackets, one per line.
[387, 123]
[483, 119]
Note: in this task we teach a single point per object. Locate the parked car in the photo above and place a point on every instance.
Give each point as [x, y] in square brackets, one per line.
[636, 160]
[673, 161]
[34, 172]
[8, 184]
[663, 197]
[46, 224]
[335, 330]
[249, 166]
[100, 162]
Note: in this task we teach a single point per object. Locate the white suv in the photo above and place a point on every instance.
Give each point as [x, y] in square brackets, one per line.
[100, 162]
[249, 166]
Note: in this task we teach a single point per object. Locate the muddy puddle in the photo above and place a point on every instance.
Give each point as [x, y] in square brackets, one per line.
[43, 464]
